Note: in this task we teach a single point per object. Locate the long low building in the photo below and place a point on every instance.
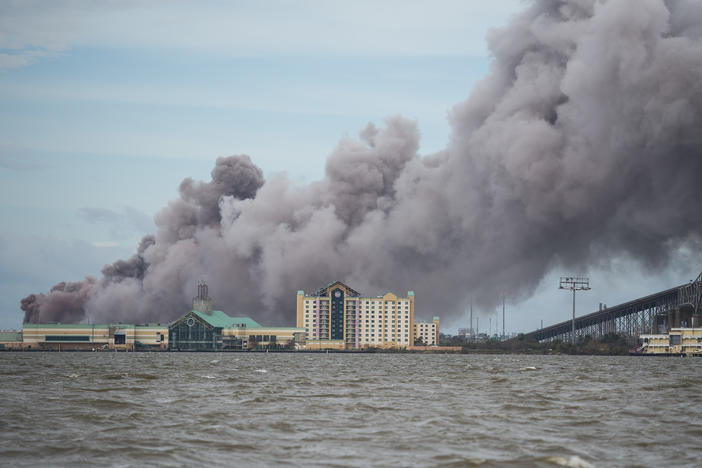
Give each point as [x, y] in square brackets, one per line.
[201, 329]
[94, 337]
[10, 339]
[682, 341]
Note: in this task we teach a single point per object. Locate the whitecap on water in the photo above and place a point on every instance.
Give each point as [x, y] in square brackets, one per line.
[72, 376]
[214, 361]
[527, 368]
[571, 462]
[263, 371]
[208, 376]
[164, 400]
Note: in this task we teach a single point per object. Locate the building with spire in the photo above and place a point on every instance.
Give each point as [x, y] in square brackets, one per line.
[206, 329]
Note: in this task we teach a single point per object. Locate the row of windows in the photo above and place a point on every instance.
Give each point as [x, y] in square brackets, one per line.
[368, 309]
[363, 329]
[362, 316]
[354, 300]
[262, 338]
[360, 325]
[362, 303]
[372, 331]
[367, 323]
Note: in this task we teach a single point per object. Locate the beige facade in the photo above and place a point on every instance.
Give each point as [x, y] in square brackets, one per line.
[88, 337]
[428, 332]
[687, 341]
[338, 317]
[655, 344]
[312, 345]
[265, 337]
[127, 337]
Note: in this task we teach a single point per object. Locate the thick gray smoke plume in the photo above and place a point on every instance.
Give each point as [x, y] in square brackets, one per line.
[583, 142]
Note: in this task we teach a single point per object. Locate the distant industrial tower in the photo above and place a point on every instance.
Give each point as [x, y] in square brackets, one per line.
[202, 302]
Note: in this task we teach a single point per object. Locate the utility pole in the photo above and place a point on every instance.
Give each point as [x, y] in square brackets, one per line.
[574, 283]
[472, 331]
[503, 315]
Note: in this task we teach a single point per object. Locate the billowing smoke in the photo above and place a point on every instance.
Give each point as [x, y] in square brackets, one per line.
[583, 143]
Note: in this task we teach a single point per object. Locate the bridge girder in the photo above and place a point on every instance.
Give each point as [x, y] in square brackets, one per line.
[631, 318]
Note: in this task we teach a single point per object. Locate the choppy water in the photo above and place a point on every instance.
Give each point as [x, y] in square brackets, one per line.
[116, 409]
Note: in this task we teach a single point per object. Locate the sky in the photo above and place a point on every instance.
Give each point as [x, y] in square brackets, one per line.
[105, 107]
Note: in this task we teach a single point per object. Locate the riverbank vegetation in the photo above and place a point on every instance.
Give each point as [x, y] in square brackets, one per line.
[608, 345]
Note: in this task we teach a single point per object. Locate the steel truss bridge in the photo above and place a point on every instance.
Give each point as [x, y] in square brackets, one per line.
[657, 313]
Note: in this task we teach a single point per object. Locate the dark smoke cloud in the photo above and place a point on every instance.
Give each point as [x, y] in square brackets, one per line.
[65, 303]
[582, 144]
[135, 267]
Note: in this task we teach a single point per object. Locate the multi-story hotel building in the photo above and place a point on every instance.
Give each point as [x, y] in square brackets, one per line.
[428, 332]
[336, 316]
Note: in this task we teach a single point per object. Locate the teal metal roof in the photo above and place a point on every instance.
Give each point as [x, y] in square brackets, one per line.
[7, 337]
[219, 319]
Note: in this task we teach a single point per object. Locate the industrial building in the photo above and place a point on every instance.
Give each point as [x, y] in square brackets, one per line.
[338, 317]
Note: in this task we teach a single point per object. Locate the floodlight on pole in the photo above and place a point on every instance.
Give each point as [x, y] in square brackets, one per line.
[574, 283]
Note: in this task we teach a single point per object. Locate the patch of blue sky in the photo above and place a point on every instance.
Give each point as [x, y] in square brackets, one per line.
[215, 103]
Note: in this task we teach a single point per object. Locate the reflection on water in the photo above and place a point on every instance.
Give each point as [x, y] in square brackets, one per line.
[249, 409]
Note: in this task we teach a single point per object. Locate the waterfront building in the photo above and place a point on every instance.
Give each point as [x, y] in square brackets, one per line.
[206, 329]
[683, 341]
[428, 332]
[10, 339]
[93, 337]
[338, 317]
[201, 329]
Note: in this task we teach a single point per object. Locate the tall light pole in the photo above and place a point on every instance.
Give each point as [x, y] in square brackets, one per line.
[503, 315]
[574, 283]
[472, 331]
